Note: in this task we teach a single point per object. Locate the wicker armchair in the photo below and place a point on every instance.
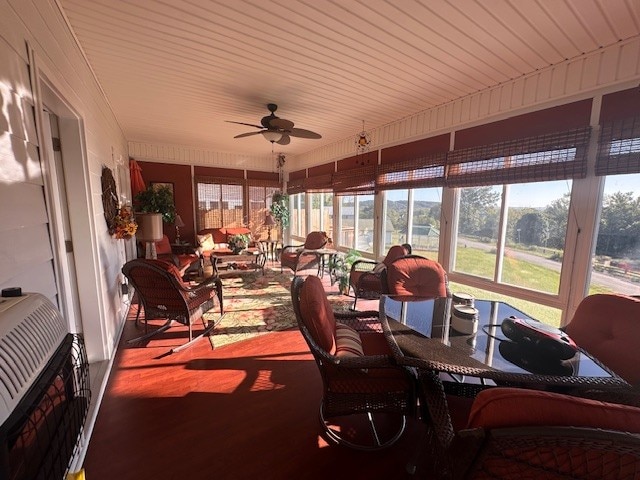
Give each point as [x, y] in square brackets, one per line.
[163, 294]
[414, 275]
[302, 257]
[360, 380]
[365, 277]
[518, 433]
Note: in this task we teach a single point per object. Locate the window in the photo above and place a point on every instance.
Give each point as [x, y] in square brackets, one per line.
[298, 215]
[219, 204]
[347, 220]
[322, 212]
[424, 228]
[364, 223]
[413, 216]
[396, 207]
[616, 262]
[259, 205]
[514, 234]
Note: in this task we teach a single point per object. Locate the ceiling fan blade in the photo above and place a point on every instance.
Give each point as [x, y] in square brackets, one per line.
[248, 134]
[281, 123]
[242, 123]
[285, 140]
[302, 133]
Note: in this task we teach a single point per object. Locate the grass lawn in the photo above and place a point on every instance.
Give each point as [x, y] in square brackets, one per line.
[515, 272]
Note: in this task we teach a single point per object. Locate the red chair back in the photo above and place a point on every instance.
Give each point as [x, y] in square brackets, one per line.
[414, 275]
[395, 252]
[608, 327]
[315, 240]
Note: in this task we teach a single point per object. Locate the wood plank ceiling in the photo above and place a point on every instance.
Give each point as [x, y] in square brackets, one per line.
[175, 70]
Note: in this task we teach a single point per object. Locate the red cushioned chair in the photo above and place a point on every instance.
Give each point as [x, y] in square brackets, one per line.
[302, 257]
[365, 277]
[516, 433]
[366, 396]
[163, 294]
[608, 327]
[187, 264]
[413, 275]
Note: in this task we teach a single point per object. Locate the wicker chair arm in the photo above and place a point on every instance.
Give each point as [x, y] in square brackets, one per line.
[363, 265]
[203, 291]
[368, 321]
[368, 361]
[291, 247]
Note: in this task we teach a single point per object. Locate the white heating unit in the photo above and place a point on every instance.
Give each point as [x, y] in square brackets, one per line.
[44, 389]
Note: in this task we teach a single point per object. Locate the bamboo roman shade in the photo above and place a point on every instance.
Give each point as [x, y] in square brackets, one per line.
[296, 181]
[320, 178]
[552, 156]
[355, 175]
[424, 171]
[619, 141]
[415, 164]
[357, 181]
[619, 147]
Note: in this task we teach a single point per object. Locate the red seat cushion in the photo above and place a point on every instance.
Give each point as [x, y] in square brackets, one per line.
[317, 313]
[511, 407]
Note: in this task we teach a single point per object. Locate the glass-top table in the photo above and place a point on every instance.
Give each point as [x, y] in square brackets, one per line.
[422, 335]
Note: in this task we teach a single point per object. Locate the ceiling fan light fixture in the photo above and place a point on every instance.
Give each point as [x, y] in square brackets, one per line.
[271, 136]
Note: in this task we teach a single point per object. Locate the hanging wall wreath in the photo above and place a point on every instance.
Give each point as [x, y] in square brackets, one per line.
[109, 197]
[120, 220]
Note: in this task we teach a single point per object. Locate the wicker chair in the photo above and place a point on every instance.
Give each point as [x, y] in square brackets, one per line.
[360, 380]
[518, 433]
[365, 277]
[414, 275]
[302, 257]
[163, 294]
[607, 325]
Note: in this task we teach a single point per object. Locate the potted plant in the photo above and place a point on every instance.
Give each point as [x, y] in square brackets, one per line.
[342, 269]
[280, 210]
[238, 242]
[156, 199]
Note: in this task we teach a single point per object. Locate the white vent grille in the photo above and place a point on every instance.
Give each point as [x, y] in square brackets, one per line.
[31, 329]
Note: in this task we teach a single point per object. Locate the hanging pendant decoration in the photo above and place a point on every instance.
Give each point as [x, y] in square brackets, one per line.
[363, 141]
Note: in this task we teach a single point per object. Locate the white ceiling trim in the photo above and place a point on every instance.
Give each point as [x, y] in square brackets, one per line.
[572, 80]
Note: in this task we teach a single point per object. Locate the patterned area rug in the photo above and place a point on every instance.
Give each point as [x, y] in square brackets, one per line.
[256, 304]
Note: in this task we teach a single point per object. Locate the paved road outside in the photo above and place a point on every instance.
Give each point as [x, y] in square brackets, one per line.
[615, 284]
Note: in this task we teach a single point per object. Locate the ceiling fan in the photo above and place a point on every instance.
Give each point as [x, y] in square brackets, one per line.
[277, 130]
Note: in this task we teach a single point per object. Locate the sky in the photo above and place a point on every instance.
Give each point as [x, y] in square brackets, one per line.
[535, 195]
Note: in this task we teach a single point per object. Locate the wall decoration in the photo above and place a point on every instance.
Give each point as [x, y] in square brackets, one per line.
[157, 185]
[109, 197]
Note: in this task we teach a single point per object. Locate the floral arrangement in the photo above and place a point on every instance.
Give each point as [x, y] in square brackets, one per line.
[238, 242]
[124, 224]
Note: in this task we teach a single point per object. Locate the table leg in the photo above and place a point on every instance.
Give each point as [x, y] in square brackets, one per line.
[435, 412]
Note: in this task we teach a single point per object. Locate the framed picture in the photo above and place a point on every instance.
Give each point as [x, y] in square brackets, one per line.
[169, 185]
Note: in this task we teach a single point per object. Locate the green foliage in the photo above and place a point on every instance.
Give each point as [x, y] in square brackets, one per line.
[479, 211]
[342, 267]
[280, 208]
[619, 225]
[532, 229]
[156, 200]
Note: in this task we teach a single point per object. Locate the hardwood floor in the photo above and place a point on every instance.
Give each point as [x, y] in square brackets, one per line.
[245, 410]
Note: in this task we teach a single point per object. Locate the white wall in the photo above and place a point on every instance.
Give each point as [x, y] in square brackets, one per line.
[26, 253]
